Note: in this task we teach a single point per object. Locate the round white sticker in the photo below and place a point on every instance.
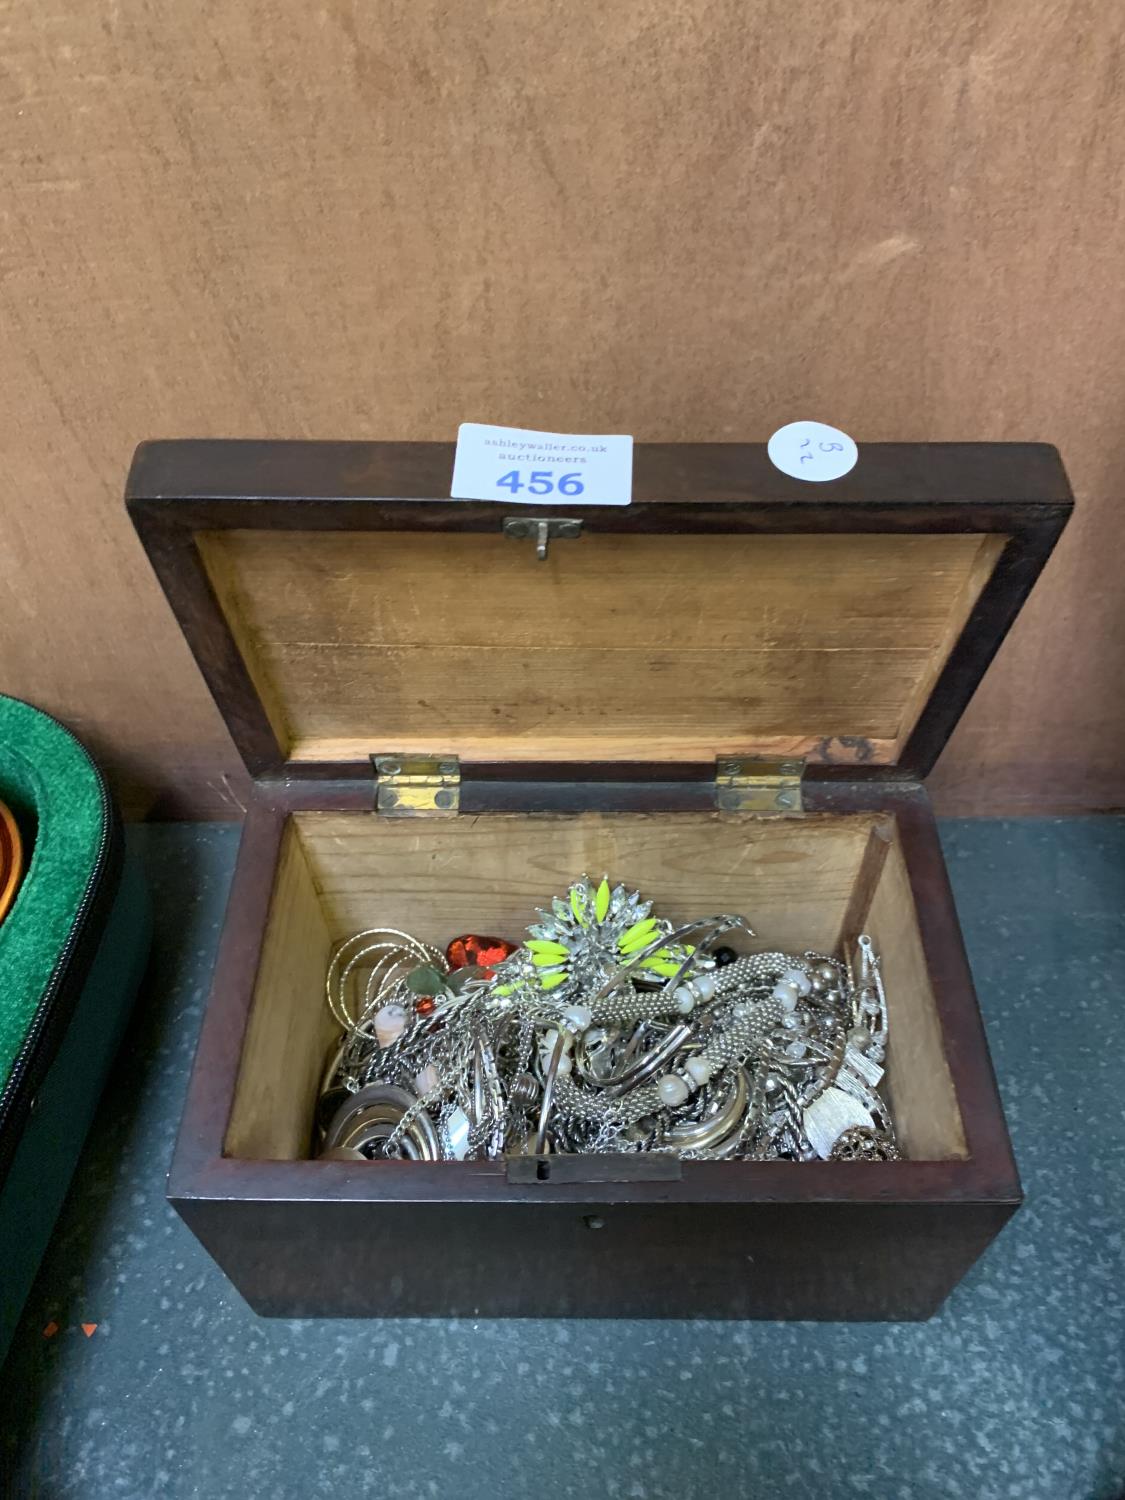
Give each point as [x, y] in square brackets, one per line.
[812, 450]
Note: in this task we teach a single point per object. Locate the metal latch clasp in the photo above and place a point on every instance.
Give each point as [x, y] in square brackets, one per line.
[411, 786]
[761, 786]
[544, 529]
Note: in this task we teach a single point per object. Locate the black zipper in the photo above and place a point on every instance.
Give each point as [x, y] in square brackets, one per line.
[63, 989]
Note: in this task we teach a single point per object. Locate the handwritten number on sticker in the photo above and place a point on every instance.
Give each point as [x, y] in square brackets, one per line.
[807, 458]
[542, 482]
[812, 451]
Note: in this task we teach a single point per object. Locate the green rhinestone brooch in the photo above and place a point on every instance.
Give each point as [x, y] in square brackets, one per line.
[585, 938]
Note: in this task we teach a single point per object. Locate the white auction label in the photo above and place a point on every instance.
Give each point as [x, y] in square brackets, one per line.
[537, 468]
[812, 450]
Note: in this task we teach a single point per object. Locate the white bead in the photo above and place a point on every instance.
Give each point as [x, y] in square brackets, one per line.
[704, 985]
[547, 1046]
[796, 1050]
[426, 1080]
[698, 1070]
[577, 1018]
[565, 1065]
[799, 978]
[390, 1023]
[740, 1012]
[685, 1000]
[785, 994]
[672, 1090]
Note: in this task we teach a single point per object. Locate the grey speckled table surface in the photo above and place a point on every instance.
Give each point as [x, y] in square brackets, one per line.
[1017, 1389]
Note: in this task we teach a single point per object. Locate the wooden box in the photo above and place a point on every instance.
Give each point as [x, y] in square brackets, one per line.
[593, 703]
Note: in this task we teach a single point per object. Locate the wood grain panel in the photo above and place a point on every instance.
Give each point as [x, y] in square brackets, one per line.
[919, 1088]
[620, 648]
[686, 219]
[289, 1029]
[791, 877]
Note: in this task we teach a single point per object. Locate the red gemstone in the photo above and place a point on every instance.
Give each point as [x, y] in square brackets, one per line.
[425, 1004]
[479, 952]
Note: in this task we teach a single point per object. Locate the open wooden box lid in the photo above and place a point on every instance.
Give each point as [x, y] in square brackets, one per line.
[340, 605]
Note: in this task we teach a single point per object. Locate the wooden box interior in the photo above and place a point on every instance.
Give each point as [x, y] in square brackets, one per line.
[813, 882]
[642, 647]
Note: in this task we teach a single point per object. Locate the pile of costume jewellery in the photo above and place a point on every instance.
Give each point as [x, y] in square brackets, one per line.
[607, 1030]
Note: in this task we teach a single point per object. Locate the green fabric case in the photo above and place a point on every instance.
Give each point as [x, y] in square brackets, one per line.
[72, 952]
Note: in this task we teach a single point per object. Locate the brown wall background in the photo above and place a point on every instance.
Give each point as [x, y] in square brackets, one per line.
[685, 219]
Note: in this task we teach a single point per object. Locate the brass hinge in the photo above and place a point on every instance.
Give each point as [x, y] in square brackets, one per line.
[410, 786]
[761, 786]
